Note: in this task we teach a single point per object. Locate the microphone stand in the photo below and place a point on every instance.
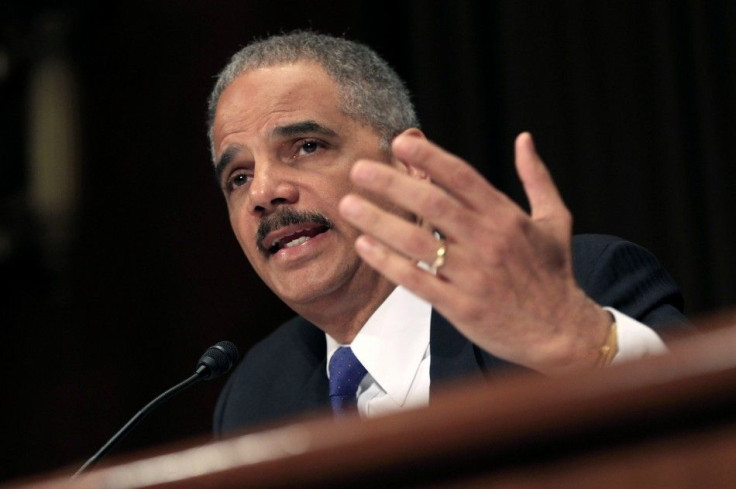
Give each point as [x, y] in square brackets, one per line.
[196, 377]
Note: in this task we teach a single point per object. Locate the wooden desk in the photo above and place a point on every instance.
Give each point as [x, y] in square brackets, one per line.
[668, 421]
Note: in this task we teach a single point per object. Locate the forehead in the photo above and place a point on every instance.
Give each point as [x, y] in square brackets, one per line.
[265, 97]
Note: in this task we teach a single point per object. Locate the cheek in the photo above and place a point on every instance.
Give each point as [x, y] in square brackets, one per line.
[244, 232]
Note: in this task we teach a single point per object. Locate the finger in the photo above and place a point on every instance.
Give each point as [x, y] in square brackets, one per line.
[411, 241]
[406, 237]
[401, 271]
[416, 196]
[446, 170]
[544, 198]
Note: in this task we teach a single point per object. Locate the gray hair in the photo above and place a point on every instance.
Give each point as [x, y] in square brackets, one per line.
[370, 90]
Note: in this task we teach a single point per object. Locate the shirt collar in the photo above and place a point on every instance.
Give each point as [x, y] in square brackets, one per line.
[392, 342]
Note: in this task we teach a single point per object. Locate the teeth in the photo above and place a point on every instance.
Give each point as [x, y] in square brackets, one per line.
[297, 242]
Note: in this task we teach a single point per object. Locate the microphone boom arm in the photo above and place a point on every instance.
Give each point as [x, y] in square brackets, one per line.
[197, 377]
[217, 360]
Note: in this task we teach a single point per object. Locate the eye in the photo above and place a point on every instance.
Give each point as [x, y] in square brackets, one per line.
[236, 180]
[308, 146]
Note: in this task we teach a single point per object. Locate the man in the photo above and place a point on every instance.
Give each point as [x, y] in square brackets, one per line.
[380, 240]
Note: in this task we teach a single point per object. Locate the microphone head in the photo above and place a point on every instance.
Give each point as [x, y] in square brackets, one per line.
[217, 360]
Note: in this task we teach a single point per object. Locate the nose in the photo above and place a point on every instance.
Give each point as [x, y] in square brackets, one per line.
[273, 185]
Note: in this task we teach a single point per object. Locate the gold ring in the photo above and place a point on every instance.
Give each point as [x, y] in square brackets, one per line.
[439, 259]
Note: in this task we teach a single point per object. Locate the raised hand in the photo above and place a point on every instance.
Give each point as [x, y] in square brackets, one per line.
[501, 276]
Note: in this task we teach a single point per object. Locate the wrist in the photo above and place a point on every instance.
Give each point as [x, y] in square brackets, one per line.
[608, 350]
[589, 340]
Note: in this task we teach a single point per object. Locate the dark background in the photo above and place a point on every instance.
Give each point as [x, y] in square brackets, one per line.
[632, 104]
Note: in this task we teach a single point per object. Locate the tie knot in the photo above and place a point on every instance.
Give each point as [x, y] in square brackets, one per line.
[346, 373]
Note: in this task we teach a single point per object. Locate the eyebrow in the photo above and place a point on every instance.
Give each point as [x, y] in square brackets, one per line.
[302, 127]
[227, 156]
[289, 130]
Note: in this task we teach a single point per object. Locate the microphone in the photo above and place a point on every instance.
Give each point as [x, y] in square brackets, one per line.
[217, 360]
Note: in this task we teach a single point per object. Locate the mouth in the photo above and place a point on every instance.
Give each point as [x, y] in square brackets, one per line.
[295, 238]
[288, 229]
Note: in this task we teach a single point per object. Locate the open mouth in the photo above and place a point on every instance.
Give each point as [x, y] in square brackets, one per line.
[289, 228]
[296, 238]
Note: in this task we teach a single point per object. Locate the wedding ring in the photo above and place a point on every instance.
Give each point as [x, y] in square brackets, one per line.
[439, 259]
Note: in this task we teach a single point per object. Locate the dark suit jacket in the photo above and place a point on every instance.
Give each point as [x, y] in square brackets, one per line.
[284, 375]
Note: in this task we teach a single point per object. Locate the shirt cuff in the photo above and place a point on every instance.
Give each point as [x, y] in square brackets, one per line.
[635, 340]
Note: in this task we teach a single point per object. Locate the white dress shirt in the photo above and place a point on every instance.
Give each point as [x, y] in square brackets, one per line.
[393, 346]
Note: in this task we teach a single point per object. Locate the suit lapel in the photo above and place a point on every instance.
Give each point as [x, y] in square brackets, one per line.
[452, 355]
[315, 391]
[311, 386]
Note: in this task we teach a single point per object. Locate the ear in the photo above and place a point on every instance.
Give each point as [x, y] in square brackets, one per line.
[411, 170]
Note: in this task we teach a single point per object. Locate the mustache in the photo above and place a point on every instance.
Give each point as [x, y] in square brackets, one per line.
[287, 217]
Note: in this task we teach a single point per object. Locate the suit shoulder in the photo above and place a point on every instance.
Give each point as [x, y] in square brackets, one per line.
[304, 342]
[297, 333]
[590, 245]
[271, 369]
[621, 274]
[596, 253]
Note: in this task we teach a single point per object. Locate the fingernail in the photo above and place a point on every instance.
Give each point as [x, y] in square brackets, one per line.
[527, 141]
[363, 171]
[351, 206]
[404, 144]
[365, 244]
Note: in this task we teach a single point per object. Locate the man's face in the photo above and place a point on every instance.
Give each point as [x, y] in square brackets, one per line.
[283, 152]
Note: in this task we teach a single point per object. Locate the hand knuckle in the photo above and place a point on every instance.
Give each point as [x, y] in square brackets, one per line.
[497, 252]
[517, 224]
[469, 311]
[566, 217]
[463, 178]
[416, 244]
[409, 277]
[435, 206]
[475, 279]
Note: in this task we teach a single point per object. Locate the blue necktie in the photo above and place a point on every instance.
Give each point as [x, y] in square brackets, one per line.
[346, 372]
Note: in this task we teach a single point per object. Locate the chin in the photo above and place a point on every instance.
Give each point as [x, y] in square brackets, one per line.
[305, 289]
